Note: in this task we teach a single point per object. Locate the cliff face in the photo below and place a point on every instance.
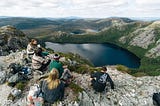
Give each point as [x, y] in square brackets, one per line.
[129, 90]
[11, 39]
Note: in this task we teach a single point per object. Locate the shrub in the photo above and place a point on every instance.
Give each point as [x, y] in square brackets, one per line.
[21, 85]
[139, 74]
[76, 88]
[123, 68]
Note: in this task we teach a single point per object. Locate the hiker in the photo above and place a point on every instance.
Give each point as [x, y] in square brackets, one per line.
[32, 46]
[99, 79]
[39, 62]
[56, 64]
[66, 75]
[52, 87]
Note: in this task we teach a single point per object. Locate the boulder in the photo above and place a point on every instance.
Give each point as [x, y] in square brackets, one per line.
[2, 77]
[11, 39]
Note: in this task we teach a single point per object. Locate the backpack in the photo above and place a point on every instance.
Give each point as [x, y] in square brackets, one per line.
[156, 99]
[14, 68]
[35, 96]
[103, 78]
[34, 90]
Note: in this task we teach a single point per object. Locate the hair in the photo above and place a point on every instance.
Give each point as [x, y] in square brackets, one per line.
[52, 79]
[104, 68]
[56, 56]
[32, 40]
[38, 52]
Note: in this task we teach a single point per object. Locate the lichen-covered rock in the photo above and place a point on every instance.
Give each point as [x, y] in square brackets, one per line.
[143, 38]
[129, 90]
[11, 39]
[2, 77]
[154, 52]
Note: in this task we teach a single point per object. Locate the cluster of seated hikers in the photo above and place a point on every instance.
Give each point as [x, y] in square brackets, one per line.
[52, 87]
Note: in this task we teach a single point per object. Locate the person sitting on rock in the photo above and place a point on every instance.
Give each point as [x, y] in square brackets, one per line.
[32, 46]
[99, 79]
[56, 64]
[52, 87]
[38, 61]
[66, 75]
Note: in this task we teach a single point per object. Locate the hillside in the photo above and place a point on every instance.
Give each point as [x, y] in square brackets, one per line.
[139, 37]
[129, 90]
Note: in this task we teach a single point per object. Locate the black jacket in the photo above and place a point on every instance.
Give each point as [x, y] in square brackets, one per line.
[99, 87]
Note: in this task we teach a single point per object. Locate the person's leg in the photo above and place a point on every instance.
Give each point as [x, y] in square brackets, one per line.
[93, 82]
[43, 67]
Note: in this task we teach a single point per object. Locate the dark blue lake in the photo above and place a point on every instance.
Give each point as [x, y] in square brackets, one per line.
[99, 54]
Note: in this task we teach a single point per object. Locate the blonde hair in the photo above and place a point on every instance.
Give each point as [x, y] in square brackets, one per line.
[52, 79]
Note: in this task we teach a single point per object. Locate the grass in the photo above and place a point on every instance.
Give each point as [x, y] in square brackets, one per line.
[139, 74]
[76, 88]
[21, 85]
[123, 69]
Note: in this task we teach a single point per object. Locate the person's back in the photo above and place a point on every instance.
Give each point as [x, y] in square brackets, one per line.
[56, 64]
[31, 47]
[99, 80]
[52, 87]
[52, 95]
[38, 61]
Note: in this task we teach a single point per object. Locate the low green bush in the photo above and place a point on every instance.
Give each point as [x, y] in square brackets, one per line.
[123, 68]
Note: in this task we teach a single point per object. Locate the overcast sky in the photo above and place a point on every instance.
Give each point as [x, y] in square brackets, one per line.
[80, 8]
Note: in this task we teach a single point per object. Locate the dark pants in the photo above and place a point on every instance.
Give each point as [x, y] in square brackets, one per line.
[97, 86]
[44, 66]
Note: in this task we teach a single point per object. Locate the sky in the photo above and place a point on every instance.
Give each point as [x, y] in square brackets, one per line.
[80, 8]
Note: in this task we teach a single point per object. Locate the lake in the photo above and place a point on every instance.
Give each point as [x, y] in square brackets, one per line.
[99, 54]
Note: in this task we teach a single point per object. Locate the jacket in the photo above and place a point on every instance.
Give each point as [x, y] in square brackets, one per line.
[101, 86]
[52, 95]
[38, 61]
[57, 65]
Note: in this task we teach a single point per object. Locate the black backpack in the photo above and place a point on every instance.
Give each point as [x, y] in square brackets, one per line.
[103, 78]
[15, 67]
[156, 99]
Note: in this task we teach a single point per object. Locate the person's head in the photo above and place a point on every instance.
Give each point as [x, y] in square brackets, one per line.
[33, 42]
[56, 56]
[38, 52]
[104, 69]
[52, 79]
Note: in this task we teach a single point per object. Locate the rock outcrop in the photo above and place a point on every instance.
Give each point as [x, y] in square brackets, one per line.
[129, 90]
[11, 39]
[143, 38]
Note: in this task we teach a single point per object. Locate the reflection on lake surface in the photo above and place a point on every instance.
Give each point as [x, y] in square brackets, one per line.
[99, 54]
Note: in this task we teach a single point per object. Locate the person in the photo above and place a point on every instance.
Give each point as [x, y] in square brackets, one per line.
[38, 61]
[32, 46]
[99, 79]
[56, 64]
[66, 75]
[52, 87]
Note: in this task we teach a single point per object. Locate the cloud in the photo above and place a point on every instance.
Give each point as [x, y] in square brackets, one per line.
[81, 8]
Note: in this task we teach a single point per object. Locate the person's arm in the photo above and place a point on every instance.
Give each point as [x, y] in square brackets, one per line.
[62, 90]
[110, 81]
[93, 76]
[29, 49]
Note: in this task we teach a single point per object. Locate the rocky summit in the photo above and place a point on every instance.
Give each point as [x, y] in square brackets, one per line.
[129, 90]
[11, 39]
